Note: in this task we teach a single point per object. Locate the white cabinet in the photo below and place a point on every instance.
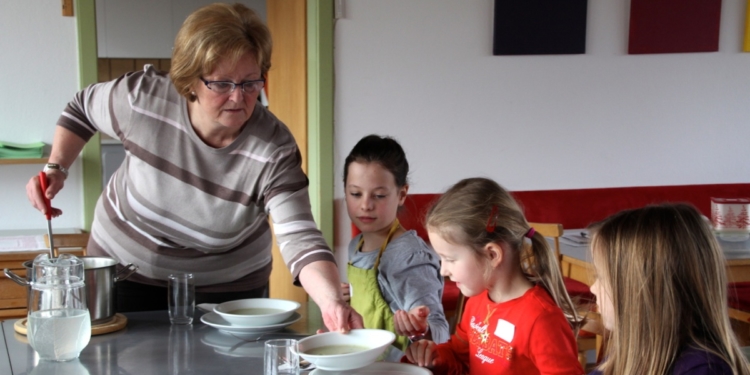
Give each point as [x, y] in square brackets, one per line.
[146, 28]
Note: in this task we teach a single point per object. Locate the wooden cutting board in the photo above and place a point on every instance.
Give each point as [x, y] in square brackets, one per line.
[117, 323]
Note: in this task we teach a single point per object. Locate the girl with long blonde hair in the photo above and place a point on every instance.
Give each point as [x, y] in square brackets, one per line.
[515, 321]
[661, 288]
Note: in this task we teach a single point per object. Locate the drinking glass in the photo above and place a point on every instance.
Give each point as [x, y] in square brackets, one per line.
[181, 298]
[281, 357]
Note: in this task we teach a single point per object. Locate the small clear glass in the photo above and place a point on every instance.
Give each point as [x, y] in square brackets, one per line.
[281, 357]
[181, 298]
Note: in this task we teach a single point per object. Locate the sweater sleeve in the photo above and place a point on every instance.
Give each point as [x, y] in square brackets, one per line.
[411, 278]
[106, 106]
[288, 203]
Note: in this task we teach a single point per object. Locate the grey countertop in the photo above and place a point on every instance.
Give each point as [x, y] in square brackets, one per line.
[149, 344]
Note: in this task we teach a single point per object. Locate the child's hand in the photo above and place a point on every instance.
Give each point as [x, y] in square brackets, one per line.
[413, 323]
[422, 353]
[345, 292]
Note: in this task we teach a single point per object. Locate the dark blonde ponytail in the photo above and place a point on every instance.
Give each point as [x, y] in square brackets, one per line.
[477, 211]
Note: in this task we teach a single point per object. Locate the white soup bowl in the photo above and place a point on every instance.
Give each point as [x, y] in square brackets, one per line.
[256, 312]
[369, 344]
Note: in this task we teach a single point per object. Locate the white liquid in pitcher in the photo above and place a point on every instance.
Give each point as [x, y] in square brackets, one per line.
[59, 335]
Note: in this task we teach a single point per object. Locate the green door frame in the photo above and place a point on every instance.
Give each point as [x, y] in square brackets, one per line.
[91, 157]
[320, 110]
[320, 23]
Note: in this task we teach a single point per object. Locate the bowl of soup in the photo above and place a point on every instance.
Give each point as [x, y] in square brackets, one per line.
[334, 351]
[256, 312]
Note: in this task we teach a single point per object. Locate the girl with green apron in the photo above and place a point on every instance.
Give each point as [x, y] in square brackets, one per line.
[367, 299]
[405, 278]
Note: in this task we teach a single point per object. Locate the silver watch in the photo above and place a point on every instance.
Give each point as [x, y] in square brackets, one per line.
[50, 166]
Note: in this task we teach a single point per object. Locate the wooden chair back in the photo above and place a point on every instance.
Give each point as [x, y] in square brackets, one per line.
[69, 242]
[550, 230]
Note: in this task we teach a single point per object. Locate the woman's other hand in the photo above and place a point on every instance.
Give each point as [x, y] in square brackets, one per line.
[412, 323]
[346, 292]
[422, 353]
[55, 182]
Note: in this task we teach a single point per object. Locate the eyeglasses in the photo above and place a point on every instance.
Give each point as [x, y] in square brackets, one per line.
[226, 87]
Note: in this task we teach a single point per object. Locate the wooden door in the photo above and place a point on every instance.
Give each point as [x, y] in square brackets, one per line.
[287, 99]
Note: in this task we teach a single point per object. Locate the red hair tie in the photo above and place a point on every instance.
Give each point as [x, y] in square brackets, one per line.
[530, 233]
[492, 220]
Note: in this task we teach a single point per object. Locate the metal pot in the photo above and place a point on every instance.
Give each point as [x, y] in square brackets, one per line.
[100, 278]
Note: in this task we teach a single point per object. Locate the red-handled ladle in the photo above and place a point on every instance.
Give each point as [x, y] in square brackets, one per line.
[47, 212]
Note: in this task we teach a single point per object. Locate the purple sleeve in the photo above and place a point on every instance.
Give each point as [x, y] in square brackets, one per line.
[695, 361]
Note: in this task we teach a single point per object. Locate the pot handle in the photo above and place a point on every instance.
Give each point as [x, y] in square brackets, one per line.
[18, 279]
[128, 270]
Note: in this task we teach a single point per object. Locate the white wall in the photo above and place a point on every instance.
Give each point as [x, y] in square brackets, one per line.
[40, 75]
[423, 72]
[157, 24]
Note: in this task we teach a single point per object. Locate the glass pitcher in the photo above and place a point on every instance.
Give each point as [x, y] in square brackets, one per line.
[58, 325]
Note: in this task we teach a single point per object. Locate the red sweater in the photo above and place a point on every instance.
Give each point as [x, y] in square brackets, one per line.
[525, 336]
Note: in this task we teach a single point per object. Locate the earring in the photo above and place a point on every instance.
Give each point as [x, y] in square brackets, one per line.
[193, 93]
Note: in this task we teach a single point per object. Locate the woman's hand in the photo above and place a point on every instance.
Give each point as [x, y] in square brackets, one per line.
[346, 292]
[321, 281]
[340, 317]
[55, 182]
[412, 323]
[66, 146]
[422, 353]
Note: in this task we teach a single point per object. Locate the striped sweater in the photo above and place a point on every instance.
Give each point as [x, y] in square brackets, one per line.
[179, 205]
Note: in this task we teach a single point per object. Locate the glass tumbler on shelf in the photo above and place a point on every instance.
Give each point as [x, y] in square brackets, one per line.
[58, 324]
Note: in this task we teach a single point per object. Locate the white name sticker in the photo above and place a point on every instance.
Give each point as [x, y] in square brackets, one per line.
[505, 330]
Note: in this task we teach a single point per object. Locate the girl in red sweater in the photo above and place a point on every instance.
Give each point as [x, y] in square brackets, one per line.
[515, 321]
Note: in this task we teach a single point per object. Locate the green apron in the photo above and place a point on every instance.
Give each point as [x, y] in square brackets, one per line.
[366, 298]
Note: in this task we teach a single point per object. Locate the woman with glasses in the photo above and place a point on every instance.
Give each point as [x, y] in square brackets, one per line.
[206, 165]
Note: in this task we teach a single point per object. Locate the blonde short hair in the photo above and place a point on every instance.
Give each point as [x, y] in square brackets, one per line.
[213, 33]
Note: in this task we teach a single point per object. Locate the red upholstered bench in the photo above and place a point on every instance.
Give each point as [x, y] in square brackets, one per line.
[577, 208]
